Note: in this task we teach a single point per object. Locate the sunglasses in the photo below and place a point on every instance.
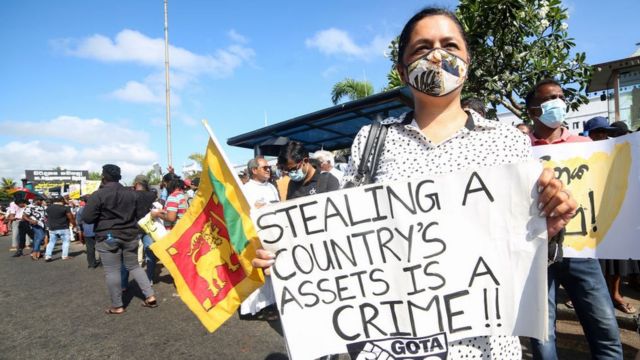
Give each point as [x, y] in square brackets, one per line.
[294, 168]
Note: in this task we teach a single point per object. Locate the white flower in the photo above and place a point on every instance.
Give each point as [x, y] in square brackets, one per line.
[544, 24]
[543, 11]
[544, 3]
[564, 26]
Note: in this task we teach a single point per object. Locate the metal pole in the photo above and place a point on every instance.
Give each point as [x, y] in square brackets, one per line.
[168, 87]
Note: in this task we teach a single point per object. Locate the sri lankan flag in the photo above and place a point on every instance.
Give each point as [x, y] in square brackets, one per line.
[209, 251]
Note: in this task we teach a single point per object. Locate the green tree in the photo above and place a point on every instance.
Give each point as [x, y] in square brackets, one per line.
[352, 89]
[94, 175]
[198, 158]
[154, 178]
[393, 77]
[515, 43]
[8, 184]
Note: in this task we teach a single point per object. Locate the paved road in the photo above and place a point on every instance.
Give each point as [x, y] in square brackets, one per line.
[55, 311]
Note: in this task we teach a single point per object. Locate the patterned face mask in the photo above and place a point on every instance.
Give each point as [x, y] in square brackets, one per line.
[438, 73]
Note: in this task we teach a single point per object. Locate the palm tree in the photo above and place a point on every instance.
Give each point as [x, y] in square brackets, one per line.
[197, 158]
[394, 80]
[352, 89]
[8, 184]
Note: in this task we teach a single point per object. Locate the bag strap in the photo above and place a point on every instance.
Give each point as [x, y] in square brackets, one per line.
[376, 151]
[363, 167]
[373, 149]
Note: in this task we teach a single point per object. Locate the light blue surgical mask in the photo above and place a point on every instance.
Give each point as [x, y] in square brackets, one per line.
[297, 175]
[553, 113]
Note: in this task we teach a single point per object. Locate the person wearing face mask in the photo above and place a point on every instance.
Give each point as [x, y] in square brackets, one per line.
[304, 179]
[581, 278]
[439, 137]
[546, 107]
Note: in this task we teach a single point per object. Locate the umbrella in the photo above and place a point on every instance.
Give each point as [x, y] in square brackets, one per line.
[25, 194]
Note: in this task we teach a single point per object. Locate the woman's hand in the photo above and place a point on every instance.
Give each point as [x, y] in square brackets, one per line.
[554, 202]
[263, 260]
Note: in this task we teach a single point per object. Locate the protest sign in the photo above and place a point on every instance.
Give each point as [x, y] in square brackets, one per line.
[604, 178]
[74, 191]
[410, 265]
[89, 186]
[153, 227]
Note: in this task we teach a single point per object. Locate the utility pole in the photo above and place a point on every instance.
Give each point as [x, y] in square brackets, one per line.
[168, 87]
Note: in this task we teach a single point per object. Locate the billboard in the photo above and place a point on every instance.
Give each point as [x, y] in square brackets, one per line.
[55, 182]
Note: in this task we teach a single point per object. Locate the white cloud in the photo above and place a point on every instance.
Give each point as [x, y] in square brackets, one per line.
[74, 143]
[136, 92]
[187, 119]
[130, 46]
[338, 42]
[135, 47]
[237, 37]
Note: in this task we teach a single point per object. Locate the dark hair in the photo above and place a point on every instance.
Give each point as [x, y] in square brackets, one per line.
[58, 199]
[474, 104]
[175, 183]
[168, 177]
[111, 173]
[294, 150]
[405, 35]
[528, 100]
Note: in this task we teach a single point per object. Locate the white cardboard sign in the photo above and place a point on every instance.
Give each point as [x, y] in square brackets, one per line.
[408, 266]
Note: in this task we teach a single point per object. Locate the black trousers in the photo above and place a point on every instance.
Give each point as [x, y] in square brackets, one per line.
[24, 229]
[90, 241]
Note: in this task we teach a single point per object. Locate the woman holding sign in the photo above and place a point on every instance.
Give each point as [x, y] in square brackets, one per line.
[440, 137]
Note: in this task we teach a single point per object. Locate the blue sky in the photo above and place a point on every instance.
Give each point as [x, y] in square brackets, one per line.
[82, 82]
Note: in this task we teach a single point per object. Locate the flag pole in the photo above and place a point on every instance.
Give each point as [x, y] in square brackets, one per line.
[205, 123]
[168, 87]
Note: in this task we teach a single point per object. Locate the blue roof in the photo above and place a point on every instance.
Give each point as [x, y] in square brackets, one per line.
[331, 128]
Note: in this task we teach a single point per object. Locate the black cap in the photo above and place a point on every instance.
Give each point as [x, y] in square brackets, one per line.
[111, 172]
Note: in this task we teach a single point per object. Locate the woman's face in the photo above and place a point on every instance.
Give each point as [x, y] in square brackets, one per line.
[436, 31]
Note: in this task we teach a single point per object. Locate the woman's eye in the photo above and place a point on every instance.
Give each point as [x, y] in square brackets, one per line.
[451, 46]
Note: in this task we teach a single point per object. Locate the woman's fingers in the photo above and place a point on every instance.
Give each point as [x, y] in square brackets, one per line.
[263, 259]
[555, 202]
[548, 198]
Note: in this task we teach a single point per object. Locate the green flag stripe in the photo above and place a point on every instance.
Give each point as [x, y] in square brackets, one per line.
[237, 237]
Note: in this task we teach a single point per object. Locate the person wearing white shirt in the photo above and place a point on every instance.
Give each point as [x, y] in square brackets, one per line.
[259, 192]
[327, 162]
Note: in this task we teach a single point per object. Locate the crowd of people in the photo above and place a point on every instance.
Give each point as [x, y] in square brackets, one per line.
[433, 59]
[105, 222]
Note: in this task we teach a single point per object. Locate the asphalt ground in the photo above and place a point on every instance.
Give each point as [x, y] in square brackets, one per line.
[55, 310]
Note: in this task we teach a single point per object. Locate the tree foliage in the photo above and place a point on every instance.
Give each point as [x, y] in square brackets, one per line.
[352, 89]
[8, 184]
[514, 44]
[198, 158]
[154, 178]
[94, 175]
